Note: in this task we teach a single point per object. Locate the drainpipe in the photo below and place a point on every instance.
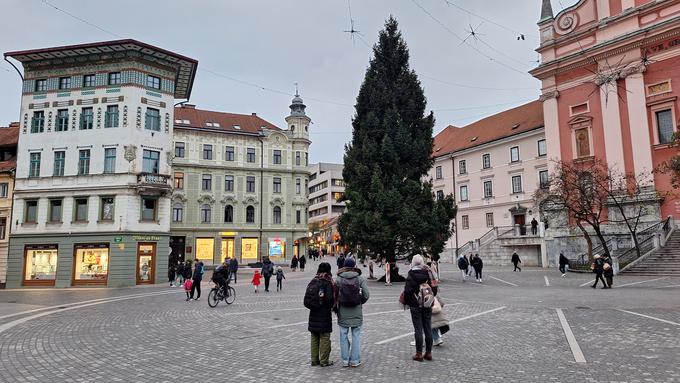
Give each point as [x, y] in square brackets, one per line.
[455, 218]
[261, 189]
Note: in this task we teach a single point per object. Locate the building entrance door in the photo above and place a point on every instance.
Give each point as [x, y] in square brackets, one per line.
[146, 265]
[520, 220]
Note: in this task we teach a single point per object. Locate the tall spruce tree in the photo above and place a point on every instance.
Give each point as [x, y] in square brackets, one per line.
[391, 211]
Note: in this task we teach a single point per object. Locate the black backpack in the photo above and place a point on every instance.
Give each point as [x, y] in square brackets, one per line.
[313, 295]
[462, 263]
[349, 294]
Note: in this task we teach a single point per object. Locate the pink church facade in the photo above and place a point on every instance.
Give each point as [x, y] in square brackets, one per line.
[610, 73]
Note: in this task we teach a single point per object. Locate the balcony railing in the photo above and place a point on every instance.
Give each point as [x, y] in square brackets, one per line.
[153, 184]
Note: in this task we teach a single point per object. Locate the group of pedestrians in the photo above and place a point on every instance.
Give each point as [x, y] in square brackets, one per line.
[603, 267]
[345, 295]
[298, 262]
[467, 266]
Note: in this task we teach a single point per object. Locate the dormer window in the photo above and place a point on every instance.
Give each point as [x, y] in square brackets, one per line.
[213, 124]
[237, 127]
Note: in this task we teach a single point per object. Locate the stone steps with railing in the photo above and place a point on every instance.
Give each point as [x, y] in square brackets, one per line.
[659, 252]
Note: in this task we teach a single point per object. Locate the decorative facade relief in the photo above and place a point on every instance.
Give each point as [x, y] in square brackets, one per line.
[139, 117]
[99, 118]
[130, 153]
[125, 116]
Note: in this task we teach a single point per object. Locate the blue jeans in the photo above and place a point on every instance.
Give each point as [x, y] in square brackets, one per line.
[352, 357]
[435, 334]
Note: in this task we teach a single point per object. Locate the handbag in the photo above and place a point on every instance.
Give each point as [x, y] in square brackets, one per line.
[401, 299]
[436, 306]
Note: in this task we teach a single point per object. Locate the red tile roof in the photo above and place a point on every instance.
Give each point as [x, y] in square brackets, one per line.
[504, 124]
[197, 118]
[9, 136]
[8, 165]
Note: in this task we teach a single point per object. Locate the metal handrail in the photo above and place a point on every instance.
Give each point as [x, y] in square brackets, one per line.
[630, 255]
[485, 238]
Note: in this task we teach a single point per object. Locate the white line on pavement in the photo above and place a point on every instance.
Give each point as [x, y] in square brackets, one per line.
[450, 322]
[667, 287]
[637, 283]
[506, 282]
[71, 304]
[547, 282]
[587, 283]
[650, 317]
[573, 344]
[9, 325]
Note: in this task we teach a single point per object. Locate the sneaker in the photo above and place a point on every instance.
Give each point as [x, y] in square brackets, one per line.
[355, 364]
[197, 299]
[438, 342]
[329, 363]
[345, 364]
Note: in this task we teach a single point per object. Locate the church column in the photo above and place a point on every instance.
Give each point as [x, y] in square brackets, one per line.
[611, 122]
[639, 124]
[552, 129]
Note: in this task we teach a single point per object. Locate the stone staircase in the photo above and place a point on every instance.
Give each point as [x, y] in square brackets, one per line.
[662, 262]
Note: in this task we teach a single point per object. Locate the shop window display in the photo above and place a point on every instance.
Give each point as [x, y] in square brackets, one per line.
[41, 264]
[91, 264]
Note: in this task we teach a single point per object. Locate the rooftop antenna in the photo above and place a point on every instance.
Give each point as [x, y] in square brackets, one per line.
[472, 33]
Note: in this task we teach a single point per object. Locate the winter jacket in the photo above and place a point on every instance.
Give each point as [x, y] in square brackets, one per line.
[477, 263]
[439, 319]
[187, 271]
[563, 260]
[221, 272]
[294, 263]
[599, 265]
[321, 320]
[515, 258]
[198, 272]
[463, 263]
[302, 262]
[608, 272]
[340, 262]
[267, 268]
[352, 316]
[233, 265]
[415, 278]
[279, 275]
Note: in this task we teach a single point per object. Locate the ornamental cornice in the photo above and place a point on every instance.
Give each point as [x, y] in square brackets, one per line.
[179, 197]
[251, 201]
[206, 198]
[278, 201]
[549, 95]
[228, 200]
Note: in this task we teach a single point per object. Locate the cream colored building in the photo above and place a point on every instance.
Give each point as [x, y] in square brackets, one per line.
[240, 186]
[493, 167]
[8, 162]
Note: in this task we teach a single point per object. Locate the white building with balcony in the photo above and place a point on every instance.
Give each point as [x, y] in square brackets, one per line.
[93, 185]
[326, 189]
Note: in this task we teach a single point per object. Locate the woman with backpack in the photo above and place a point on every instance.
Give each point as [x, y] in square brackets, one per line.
[419, 296]
[352, 294]
[477, 264]
[463, 266]
[320, 300]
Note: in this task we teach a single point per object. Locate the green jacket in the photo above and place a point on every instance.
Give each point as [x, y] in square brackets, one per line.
[352, 316]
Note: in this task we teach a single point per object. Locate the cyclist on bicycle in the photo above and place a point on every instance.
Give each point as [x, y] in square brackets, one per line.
[221, 275]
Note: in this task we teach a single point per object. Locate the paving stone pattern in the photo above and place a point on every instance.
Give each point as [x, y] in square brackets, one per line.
[162, 338]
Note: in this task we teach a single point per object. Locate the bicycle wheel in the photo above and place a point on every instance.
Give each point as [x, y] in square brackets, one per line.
[231, 295]
[213, 298]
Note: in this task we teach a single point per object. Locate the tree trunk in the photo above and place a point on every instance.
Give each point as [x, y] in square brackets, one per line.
[603, 241]
[589, 241]
[394, 274]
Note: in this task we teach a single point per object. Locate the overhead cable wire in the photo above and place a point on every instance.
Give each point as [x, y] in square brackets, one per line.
[507, 28]
[462, 40]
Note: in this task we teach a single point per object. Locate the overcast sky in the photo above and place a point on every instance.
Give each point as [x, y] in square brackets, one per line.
[244, 45]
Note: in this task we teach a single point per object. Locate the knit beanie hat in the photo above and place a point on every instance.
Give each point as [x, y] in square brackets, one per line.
[349, 262]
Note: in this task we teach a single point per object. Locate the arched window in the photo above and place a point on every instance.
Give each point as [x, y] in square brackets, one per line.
[178, 212]
[250, 214]
[206, 214]
[228, 214]
[277, 215]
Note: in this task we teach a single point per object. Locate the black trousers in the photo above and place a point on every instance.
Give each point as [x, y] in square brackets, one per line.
[478, 273]
[279, 284]
[422, 325]
[266, 282]
[516, 267]
[196, 287]
[563, 269]
[233, 274]
[598, 277]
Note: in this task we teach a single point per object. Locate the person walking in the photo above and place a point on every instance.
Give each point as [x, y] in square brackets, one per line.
[534, 226]
[468, 258]
[302, 262]
[352, 294]
[196, 280]
[172, 273]
[320, 298]
[515, 260]
[417, 292]
[233, 268]
[564, 263]
[478, 265]
[463, 266]
[294, 263]
[179, 274]
[340, 261]
[608, 271]
[267, 272]
[279, 278]
[257, 279]
[598, 269]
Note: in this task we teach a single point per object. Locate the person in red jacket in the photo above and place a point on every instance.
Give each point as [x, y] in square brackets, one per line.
[257, 277]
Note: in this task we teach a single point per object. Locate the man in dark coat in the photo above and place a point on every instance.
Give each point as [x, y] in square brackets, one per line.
[478, 265]
[320, 305]
[598, 269]
[233, 267]
[302, 262]
[341, 261]
[564, 262]
[267, 272]
[534, 226]
[515, 260]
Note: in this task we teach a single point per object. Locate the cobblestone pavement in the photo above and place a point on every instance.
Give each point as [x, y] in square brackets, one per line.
[506, 330]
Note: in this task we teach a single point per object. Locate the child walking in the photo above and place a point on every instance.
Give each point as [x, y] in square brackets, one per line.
[188, 284]
[279, 278]
[256, 279]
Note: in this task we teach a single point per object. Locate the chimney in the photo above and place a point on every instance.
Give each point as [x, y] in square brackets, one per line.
[14, 124]
[254, 114]
[189, 106]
